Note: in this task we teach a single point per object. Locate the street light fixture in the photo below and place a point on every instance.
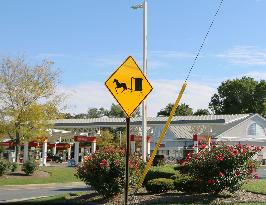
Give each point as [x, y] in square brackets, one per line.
[144, 6]
[138, 6]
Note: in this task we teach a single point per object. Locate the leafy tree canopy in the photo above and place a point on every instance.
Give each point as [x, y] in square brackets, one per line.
[28, 98]
[182, 110]
[239, 96]
[202, 112]
[106, 139]
[115, 111]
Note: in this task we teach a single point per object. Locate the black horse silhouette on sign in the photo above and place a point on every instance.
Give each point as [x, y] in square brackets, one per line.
[120, 85]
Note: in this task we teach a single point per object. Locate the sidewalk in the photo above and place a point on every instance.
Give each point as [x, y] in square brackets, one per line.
[29, 186]
[13, 193]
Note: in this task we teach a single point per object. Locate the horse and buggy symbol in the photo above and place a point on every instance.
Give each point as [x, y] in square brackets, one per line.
[135, 85]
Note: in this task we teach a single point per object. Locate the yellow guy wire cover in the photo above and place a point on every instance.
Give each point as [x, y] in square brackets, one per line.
[148, 166]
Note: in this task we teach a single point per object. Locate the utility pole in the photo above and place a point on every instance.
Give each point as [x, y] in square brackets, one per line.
[144, 6]
[145, 61]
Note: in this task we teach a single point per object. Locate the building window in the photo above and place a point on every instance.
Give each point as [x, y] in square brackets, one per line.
[256, 130]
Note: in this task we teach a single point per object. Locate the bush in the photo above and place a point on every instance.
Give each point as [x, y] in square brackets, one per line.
[29, 167]
[160, 172]
[13, 166]
[160, 185]
[182, 168]
[225, 167]
[159, 160]
[4, 166]
[105, 171]
[186, 183]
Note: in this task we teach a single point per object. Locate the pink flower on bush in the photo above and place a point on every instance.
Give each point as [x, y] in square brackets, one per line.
[235, 151]
[88, 158]
[237, 173]
[239, 146]
[211, 181]
[219, 158]
[188, 157]
[221, 174]
[117, 162]
[104, 161]
[108, 163]
[227, 162]
[104, 164]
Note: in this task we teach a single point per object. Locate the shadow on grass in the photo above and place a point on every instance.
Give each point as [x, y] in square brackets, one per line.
[82, 189]
[17, 174]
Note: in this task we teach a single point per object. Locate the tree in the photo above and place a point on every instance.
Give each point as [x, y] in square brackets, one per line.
[202, 112]
[96, 113]
[117, 111]
[92, 113]
[28, 99]
[239, 96]
[182, 110]
[106, 139]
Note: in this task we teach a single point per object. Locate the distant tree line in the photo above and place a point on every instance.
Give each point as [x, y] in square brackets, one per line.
[237, 96]
[115, 111]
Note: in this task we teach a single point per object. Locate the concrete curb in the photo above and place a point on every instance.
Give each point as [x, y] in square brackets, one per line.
[24, 199]
[43, 185]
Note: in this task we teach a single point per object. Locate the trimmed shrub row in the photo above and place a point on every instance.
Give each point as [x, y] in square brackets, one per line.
[28, 167]
[160, 185]
[164, 178]
[160, 172]
[6, 166]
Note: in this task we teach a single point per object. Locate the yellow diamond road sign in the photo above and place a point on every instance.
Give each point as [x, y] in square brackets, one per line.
[129, 86]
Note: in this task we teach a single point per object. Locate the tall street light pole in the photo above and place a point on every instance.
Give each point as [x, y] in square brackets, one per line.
[144, 6]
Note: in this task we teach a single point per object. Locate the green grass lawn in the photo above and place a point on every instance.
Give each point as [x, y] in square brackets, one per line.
[60, 199]
[57, 175]
[257, 186]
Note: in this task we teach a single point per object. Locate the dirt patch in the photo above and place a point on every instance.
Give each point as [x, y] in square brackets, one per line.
[20, 174]
[174, 197]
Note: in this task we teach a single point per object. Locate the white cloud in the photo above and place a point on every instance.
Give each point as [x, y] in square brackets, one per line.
[86, 95]
[196, 95]
[94, 94]
[245, 55]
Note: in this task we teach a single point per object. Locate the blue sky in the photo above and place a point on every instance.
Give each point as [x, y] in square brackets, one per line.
[88, 40]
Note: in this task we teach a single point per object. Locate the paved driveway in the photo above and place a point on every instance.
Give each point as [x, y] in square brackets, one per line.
[23, 192]
[262, 172]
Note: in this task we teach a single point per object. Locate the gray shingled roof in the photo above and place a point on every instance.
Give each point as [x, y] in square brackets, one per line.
[152, 121]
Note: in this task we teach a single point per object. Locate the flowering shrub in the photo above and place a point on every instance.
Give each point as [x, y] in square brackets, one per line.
[225, 167]
[29, 167]
[4, 166]
[105, 171]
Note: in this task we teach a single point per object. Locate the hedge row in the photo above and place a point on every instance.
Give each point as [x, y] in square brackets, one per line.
[28, 167]
[6, 166]
[164, 178]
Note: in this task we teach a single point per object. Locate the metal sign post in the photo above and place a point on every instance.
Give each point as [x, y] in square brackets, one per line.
[129, 87]
[127, 160]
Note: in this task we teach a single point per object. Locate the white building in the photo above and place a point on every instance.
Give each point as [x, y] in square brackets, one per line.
[233, 129]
